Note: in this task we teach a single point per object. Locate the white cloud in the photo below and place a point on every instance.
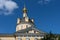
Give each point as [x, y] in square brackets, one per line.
[7, 7]
[44, 1]
[10, 5]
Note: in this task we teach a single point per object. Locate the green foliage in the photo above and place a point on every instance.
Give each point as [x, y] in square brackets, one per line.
[59, 37]
[49, 36]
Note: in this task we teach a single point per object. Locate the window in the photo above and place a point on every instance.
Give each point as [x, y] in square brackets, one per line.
[35, 39]
[27, 39]
[21, 26]
[26, 26]
[19, 39]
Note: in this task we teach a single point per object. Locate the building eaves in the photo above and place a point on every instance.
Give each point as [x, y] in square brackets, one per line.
[6, 35]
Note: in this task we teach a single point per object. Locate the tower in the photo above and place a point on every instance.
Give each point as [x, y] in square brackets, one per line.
[25, 12]
[24, 22]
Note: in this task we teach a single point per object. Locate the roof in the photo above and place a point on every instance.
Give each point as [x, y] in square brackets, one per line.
[28, 29]
[30, 34]
[23, 32]
[22, 20]
[6, 35]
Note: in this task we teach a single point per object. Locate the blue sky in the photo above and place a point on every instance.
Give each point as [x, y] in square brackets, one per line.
[46, 14]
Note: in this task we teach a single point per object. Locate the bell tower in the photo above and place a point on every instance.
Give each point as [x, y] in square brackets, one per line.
[25, 13]
[24, 22]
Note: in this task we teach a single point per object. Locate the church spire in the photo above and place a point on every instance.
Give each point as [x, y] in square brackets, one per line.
[24, 11]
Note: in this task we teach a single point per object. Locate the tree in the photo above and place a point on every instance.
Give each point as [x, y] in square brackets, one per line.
[49, 36]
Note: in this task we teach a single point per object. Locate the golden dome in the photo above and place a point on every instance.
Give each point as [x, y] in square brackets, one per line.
[24, 9]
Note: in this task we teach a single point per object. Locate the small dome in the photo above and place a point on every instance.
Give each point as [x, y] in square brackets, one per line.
[24, 10]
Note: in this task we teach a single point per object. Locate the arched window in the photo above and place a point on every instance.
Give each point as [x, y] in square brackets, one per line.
[27, 38]
[26, 26]
[35, 39]
[21, 26]
[19, 38]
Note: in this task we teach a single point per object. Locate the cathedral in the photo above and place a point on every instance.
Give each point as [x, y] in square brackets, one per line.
[25, 30]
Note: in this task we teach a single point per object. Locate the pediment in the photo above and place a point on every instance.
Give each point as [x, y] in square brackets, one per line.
[30, 30]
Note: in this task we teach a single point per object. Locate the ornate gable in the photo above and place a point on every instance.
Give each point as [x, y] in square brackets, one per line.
[30, 30]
